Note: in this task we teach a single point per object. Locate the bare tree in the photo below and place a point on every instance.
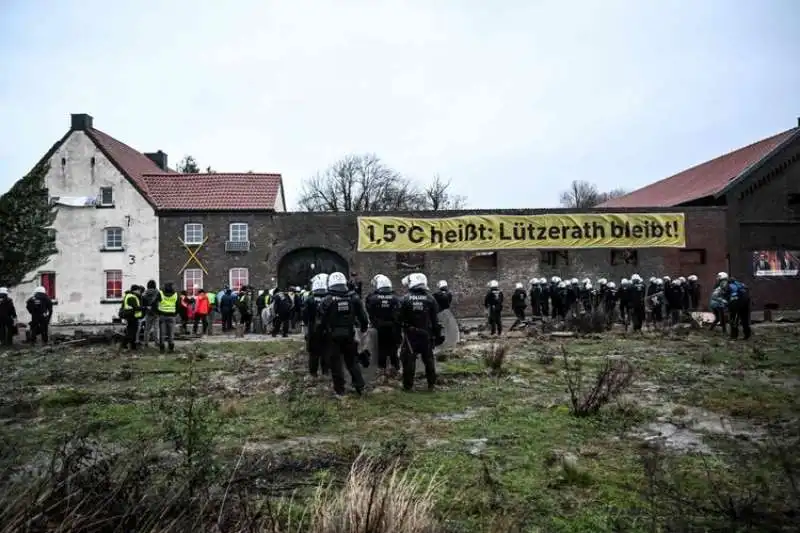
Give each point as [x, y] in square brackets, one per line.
[188, 165]
[365, 183]
[437, 196]
[582, 195]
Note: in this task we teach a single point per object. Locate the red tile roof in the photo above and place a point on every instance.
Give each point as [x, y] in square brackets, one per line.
[170, 190]
[703, 180]
[213, 192]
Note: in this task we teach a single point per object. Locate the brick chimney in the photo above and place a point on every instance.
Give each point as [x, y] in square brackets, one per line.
[159, 158]
[81, 122]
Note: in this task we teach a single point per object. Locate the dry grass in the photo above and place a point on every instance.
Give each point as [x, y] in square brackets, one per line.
[494, 357]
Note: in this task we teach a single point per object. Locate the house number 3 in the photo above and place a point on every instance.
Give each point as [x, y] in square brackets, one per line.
[131, 259]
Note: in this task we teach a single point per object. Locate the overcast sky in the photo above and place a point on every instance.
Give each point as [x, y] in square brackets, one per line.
[510, 99]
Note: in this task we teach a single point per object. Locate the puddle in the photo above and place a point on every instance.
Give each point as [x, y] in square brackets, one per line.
[477, 446]
[457, 417]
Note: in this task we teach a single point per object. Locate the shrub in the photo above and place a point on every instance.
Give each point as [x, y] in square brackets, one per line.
[494, 356]
[613, 378]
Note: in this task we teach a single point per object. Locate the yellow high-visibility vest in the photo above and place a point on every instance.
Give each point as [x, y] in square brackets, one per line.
[135, 305]
[168, 304]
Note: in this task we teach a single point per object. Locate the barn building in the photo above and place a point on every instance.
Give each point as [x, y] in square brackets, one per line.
[759, 186]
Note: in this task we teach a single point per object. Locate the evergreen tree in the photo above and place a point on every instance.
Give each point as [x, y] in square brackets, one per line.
[26, 239]
[188, 165]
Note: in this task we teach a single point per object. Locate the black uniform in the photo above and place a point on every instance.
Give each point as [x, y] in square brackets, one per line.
[674, 295]
[317, 344]
[282, 305]
[419, 317]
[41, 309]
[737, 295]
[519, 301]
[624, 297]
[383, 308]
[636, 307]
[693, 290]
[340, 310]
[8, 320]
[493, 302]
[536, 299]
[443, 298]
[609, 303]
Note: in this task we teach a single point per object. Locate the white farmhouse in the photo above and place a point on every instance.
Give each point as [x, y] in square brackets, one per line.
[106, 227]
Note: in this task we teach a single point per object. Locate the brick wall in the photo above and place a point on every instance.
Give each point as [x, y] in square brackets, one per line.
[760, 218]
[275, 235]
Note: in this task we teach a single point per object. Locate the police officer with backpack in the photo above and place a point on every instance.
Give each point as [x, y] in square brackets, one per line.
[737, 295]
[131, 313]
[419, 317]
[340, 311]
[282, 305]
[316, 341]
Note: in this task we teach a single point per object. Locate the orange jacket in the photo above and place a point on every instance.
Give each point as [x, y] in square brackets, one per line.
[202, 305]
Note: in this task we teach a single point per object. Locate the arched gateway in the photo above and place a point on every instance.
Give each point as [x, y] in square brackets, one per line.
[299, 266]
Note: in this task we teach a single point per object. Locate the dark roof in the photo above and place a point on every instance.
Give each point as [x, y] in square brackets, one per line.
[171, 190]
[706, 179]
[213, 192]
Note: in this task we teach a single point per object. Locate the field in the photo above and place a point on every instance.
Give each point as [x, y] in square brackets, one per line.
[684, 431]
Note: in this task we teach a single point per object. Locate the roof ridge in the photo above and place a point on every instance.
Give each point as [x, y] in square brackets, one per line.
[193, 174]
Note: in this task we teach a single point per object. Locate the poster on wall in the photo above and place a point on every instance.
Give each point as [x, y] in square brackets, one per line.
[776, 263]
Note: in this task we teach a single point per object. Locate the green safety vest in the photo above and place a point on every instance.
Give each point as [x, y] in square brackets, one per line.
[168, 304]
[127, 305]
[212, 298]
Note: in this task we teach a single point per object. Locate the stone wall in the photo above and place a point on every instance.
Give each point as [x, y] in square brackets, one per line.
[274, 235]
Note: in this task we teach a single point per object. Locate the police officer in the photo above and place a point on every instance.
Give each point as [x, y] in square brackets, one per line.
[40, 307]
[316, 342]
[132, 313]
[636, 303]
[693, 289]
[443, 297]
[624, 297]
[340, 310]
[737, 295]
[8, 318]
[419, 317]
[519, 301]
[383, 308]
[493, 302]
[282, 305]
[609, 303]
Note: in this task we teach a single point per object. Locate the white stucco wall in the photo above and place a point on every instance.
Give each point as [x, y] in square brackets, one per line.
[280, 206]
[80, 264]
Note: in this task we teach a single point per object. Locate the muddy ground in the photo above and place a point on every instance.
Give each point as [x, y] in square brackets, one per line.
[503, 439]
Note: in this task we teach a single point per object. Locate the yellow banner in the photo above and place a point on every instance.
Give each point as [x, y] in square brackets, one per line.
[515, 232]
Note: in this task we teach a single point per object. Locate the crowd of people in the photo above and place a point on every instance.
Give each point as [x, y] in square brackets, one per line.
[406, 326]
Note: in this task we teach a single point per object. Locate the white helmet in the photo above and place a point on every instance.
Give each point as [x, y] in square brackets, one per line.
[588, 286]
[636, 278]
[533, 281]
[722, 275]
[692, 277]
[682, 279]
[676, 282]
[382, 282]
[404, 281]
[3, 290]
[624, 282]
[652, 279]
[555, 279]
[442, 284]
[667, 278]
[561, 285]
[493, 284]
[39, 290]
[519, 285]
[418, 280]
[574, 281]
[319, 284]
[602, 281]
[374, 280]
[337, 278]
[659, 282]
[612, 285]
[324, 278]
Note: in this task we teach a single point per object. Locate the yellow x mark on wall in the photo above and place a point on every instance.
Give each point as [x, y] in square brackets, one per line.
[193, 255]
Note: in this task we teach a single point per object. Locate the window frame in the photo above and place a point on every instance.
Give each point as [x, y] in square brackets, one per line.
[106, 232]
[686, 252]
[186, 234]
[474, 262]
[190, 289]
[246, 231]
[109, 295]
[231, 284]
[102, 201]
